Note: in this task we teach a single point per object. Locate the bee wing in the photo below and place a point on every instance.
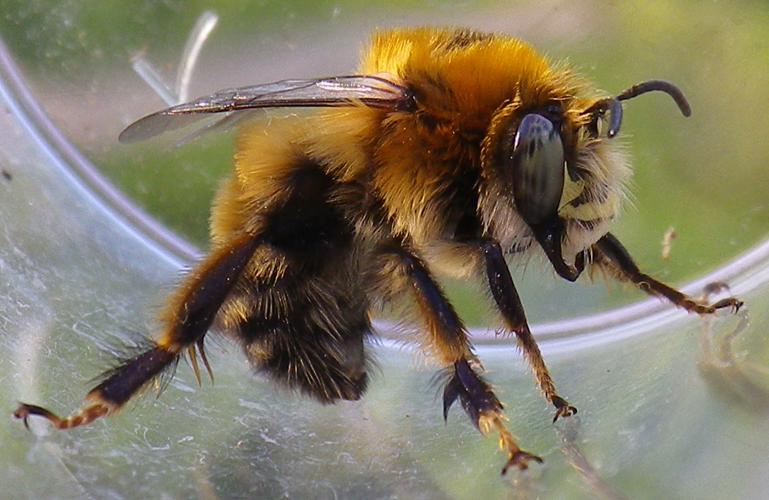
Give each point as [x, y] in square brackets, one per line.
[224, 123]
[372, 91]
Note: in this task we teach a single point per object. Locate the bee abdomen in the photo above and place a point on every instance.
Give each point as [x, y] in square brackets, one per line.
[303, 323]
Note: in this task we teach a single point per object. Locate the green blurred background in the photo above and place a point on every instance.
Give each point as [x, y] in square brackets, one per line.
[702, 176]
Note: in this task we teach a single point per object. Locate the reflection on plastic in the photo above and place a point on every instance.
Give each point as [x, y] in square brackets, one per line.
[569, 435]
[737, 380]
[180, 91]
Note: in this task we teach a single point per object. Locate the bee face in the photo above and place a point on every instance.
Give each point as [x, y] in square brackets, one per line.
[558, 182]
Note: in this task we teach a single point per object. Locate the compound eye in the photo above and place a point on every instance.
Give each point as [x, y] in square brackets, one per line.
[537, 169]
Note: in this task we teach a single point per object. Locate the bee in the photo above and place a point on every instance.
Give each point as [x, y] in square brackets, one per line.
[449, 150]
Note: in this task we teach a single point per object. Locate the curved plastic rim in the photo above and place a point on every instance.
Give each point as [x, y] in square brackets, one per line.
[744, 273]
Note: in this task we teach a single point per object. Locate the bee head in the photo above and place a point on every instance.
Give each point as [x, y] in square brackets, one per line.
[562, 176]
[532, 160]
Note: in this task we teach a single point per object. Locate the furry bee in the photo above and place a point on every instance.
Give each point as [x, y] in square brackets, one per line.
[449, 150]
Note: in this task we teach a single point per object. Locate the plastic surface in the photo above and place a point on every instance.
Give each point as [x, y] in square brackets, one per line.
[669, 405]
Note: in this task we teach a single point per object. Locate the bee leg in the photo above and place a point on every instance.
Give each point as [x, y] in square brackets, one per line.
[448, 338]
[484, 409]
[188, 317]
[510, 306]
[449, 341]
[608, 251]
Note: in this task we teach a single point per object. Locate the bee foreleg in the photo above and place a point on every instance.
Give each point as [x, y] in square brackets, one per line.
[514, 317]
[450, 342]
[188, 317]
[608, 251]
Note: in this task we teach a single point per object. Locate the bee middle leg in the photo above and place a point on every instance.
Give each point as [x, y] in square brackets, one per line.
[514, 317]
[448, 340]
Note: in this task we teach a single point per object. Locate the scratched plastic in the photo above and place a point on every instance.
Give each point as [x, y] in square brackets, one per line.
[670, 406]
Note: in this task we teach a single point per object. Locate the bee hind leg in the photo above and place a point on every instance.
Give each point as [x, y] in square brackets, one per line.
[82, 417]
[189, 314]
[108, 396]
[609, 252]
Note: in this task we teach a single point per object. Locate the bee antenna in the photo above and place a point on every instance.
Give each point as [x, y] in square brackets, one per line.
[614, 105]
[658, 85]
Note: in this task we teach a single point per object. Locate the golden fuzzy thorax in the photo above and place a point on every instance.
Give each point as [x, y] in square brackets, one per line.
[427, 168]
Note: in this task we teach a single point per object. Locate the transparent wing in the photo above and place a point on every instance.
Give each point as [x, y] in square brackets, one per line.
[372, 91]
